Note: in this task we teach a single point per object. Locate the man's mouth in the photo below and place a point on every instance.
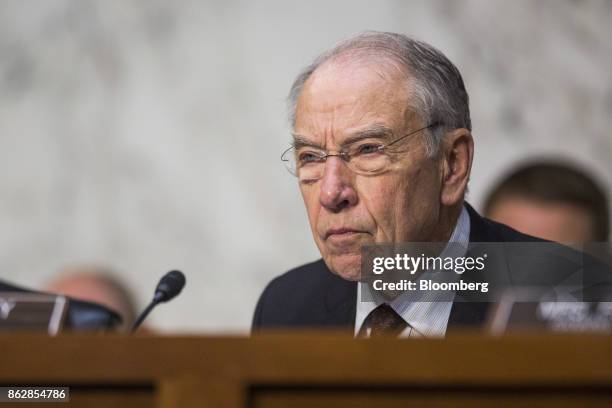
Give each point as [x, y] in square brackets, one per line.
[340, 233]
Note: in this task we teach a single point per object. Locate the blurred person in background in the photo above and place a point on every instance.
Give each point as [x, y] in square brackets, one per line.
[553, 201]
[98, 285]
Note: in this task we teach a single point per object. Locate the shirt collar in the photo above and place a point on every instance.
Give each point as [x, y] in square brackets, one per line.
[426, 315]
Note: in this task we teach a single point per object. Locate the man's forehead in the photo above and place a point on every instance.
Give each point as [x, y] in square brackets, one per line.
[340, 101]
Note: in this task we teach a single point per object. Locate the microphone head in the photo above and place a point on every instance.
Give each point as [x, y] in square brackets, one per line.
[169, 286]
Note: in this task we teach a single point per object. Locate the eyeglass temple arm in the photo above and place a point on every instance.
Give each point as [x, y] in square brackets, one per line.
[434, 124]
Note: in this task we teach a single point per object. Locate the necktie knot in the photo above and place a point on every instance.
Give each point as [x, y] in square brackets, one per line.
[383, 321]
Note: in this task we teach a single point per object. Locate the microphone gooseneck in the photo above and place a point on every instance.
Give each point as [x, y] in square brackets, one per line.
[168, 287]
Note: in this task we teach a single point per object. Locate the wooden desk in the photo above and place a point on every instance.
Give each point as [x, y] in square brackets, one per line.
[314, 370]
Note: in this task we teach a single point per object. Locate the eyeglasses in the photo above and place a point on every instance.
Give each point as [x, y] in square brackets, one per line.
[365, 157]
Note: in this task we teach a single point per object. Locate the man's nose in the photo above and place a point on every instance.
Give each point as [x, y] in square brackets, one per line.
[337, 191]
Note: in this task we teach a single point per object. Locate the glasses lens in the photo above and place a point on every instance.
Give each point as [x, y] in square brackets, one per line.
[368, 158]
[306, 164]
[309, 163]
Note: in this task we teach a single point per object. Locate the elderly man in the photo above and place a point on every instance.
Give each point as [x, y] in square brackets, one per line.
[382, 148]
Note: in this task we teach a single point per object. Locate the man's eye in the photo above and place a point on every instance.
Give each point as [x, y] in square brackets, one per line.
[368, 148]
[308, 157]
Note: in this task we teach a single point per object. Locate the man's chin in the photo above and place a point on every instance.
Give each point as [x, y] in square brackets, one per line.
[346, 266]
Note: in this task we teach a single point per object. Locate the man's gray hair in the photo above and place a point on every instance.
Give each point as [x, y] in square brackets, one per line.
[438, 95]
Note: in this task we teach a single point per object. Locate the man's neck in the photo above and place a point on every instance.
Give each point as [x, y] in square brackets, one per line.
[447, 221]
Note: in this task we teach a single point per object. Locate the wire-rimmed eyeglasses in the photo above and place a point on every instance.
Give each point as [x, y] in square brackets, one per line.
[369, 156]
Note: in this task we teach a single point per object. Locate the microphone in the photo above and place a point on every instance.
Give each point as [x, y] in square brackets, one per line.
[168, 287]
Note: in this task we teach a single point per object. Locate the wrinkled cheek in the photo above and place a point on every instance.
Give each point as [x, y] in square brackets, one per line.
[311, 202]
[381, 202]
[419, 206]
[407, 201]
[310, 195]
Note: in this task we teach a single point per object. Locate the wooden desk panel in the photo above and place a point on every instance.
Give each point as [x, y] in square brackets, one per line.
[310, 369]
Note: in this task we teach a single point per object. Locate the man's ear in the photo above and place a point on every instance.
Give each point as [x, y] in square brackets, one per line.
[457, 152]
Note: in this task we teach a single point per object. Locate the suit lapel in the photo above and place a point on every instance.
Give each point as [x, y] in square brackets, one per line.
[466, 313]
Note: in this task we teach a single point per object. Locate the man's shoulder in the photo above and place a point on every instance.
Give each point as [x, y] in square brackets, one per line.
[485, 230]
[298, 286]
[300, 298]
[304, 276]
[509, 234]
[532, 261]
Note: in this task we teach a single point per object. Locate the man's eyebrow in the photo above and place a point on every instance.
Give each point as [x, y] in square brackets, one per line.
[377, 131]
[300, 141]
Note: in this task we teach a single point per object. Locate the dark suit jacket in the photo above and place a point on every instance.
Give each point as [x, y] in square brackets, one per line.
[310, 296]
[80, 315]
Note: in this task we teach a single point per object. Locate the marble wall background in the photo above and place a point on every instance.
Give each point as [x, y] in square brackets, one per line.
[146, 135]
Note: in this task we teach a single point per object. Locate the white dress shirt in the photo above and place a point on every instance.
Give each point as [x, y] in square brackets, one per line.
[426, 316]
